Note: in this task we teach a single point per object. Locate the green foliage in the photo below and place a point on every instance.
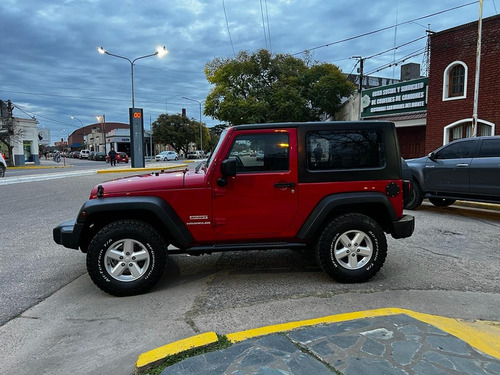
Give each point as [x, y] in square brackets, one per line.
[221, 344]
[261, 87]
[179, 132]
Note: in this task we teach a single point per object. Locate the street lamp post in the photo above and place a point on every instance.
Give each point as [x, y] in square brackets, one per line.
[81, 122]
[76, 118]
[136, 137]
[102, 119]
[201, 133]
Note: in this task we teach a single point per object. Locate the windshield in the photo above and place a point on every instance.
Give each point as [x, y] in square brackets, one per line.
[216, 149]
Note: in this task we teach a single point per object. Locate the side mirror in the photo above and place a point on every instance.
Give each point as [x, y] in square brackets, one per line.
[228, 169]
[432, 156]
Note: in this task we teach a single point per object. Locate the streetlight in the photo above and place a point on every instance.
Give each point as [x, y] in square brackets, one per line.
[136, 126]
[201, 133]
[81, 122]
[160, 51]
[76, 118]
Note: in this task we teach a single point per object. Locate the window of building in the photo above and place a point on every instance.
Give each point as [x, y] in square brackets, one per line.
[455, 81]
[464, 130]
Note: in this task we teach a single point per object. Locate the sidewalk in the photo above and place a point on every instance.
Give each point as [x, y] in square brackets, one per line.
[384, 341]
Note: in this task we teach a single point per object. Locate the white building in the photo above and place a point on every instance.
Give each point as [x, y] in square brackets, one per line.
[24, 138]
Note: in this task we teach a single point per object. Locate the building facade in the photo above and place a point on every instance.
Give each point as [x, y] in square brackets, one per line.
[452, 82]
[19, 137]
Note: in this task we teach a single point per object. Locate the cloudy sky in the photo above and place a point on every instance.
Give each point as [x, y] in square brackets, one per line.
[50, 67]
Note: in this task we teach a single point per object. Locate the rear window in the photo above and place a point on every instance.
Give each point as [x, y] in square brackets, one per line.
[490, 148]
[344, 149]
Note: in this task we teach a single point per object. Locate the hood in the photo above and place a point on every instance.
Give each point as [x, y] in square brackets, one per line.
[420, 160]
[143, 184]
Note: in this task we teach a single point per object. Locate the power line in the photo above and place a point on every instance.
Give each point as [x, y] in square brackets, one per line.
[227, 25]
[268, 28]
[263, 24]
[382, 29]
[395, 63]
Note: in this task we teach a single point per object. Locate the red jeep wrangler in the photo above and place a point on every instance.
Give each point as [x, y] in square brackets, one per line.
[332, 188]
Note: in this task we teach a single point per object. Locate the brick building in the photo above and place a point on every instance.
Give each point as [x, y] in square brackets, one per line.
[452, 80]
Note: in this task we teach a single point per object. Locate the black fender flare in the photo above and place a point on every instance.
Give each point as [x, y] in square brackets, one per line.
[159, 208]
[335, 202]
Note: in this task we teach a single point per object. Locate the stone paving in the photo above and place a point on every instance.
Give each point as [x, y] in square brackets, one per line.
[388, 345]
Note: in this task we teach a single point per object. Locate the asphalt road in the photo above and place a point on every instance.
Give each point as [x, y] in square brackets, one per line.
[54, 320]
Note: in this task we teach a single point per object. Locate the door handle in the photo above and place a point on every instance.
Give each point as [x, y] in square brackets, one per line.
[281, 185]
[462, 165]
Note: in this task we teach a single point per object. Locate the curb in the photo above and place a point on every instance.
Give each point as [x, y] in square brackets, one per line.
[122, 170]
[482, 335]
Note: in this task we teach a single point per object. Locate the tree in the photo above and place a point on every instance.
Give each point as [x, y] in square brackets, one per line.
[178, 131]
[215, 132]
[265, 88]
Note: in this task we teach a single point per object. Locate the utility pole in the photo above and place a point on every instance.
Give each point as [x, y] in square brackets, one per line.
[360, 87]
[478, 64]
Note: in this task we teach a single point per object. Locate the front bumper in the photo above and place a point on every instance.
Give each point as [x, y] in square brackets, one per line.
[68, 234]
[404, 227]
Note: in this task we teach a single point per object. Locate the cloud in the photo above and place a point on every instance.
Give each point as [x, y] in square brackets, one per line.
[50, 66]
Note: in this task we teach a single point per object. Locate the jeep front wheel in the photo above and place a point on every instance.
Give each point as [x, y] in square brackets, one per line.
[352, 248]
[126, 257]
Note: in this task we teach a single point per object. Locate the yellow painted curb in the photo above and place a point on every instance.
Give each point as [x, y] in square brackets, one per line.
[122, 170]
[485, 340]
[482, 335]
[149, 359]
[41, 167]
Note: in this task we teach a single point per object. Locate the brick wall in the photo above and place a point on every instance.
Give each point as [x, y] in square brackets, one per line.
[459, 44]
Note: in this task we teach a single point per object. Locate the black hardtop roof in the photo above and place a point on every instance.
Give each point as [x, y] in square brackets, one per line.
[316, 124]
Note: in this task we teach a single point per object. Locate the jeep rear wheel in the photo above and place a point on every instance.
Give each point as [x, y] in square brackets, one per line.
[126, 258]
[352, 248]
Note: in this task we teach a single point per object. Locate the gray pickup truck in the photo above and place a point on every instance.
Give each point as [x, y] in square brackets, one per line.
[466, 169]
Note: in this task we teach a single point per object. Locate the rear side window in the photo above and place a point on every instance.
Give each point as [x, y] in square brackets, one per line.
[261, 152]
[490, 148]
[344, 149]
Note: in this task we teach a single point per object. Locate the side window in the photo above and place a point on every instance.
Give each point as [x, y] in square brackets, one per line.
[261, 152]
[490, 148]
[457, 150]
[344, 149]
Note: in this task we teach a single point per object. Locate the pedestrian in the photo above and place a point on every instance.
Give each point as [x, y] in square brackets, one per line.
[112, 156]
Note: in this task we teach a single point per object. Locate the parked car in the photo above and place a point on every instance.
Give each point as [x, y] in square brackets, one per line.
[167, 155]
[121, 157]
[195, 155]
[3, 166]
[84, 154]
[99, 156]
[75, 154]
[465, 169]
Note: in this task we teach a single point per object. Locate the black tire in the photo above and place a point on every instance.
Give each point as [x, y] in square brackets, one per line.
[416, 196]
[2, 171]
[442, 202]
[137, 270]
[347, 261]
